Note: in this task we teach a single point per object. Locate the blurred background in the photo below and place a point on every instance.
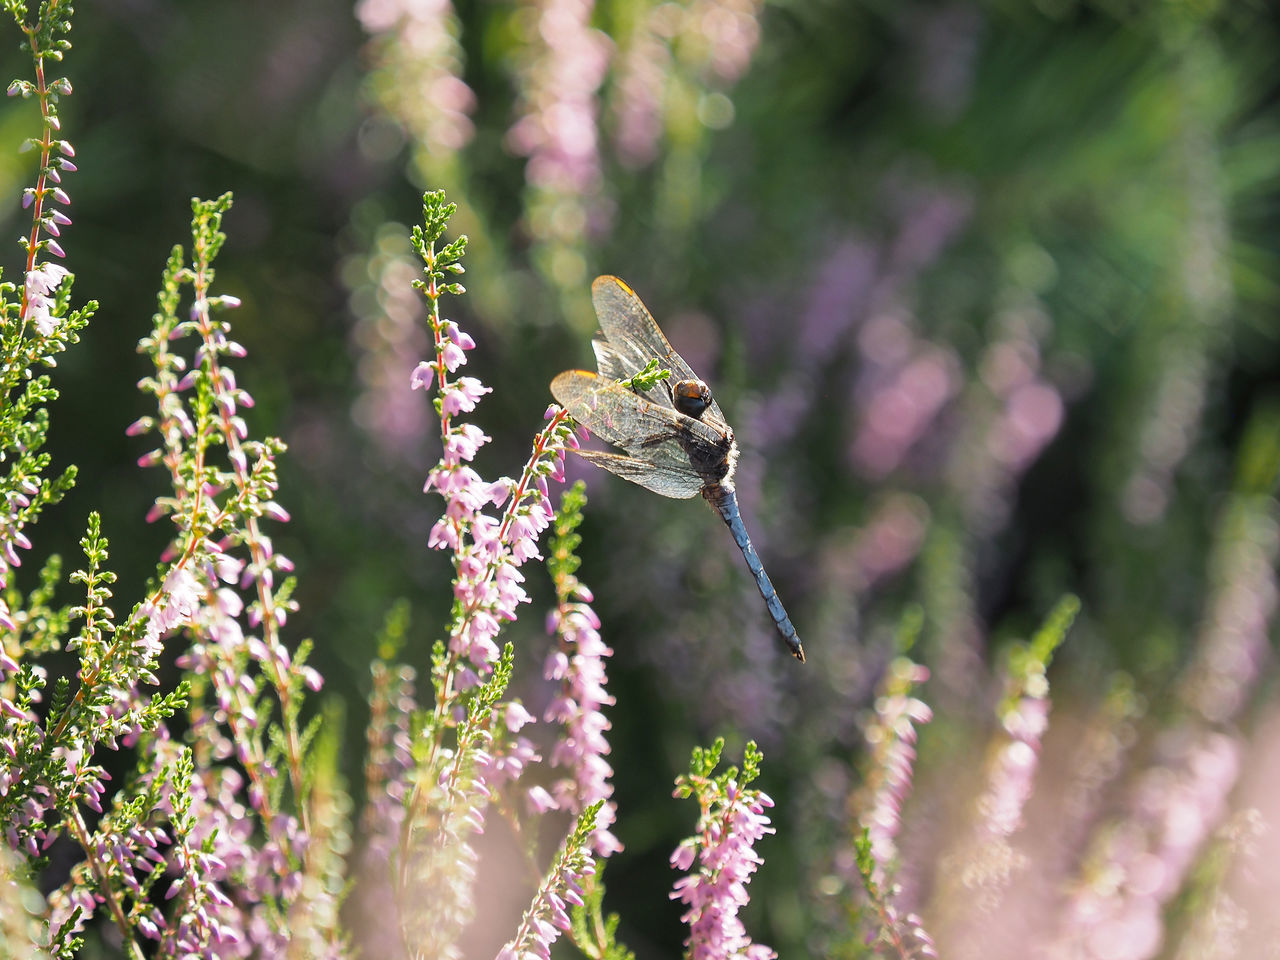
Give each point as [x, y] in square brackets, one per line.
[988, 291]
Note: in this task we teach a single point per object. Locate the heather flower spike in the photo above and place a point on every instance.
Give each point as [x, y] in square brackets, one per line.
[228, 589]
[891, 738]
[472, 741]
[987, 858]
[560, 66]
[898, 934]
[547, 916]
[487, 549]
[200, 850]
[578, 664]
[1024, 717]
[720, 858]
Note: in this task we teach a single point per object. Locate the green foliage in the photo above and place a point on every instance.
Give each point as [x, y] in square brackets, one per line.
[890, 202]
[1258, 462]
[434, 873]
[439, 264]
[866, 862]
[96, 614]
[910, 626]
[648, 377]
[1028, 664]
[487, 695]
[702, 762]
[562, 560]
[594, 934]
[395, 629]
[52, 21]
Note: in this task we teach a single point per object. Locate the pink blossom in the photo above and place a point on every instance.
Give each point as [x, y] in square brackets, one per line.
[516, 716]
[539, 800]
[41, 284]
[462, 395]
[717, 891]
[423, 376]
[890, 736]
[421, 59]
[579, 663]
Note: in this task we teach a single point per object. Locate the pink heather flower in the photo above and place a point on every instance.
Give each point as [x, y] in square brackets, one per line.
[508, 592]
[731, 822]
[451, 356]
[424, 374]
[41, 283]
[419, 59]
[516, 716]
[507, 761]
[539, 801]
[45, 279]
[462, 443]
[462, 395]
[578, 662]
[453, 345]
[175, 606]
[891, 737]
[546, 916]
[716, 893]
[459, 336]
[455, 482]
[488, 550]
[497, 492]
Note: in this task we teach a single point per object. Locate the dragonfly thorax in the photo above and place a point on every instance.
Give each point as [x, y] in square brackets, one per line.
[691, 397]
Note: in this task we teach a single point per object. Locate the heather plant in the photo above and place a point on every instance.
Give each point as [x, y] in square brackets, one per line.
[207, 846]
[731, 819]
[891, 736]
[229, 835]
[989, 293]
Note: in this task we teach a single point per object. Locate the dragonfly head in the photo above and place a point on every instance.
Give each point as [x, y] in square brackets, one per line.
[691, 397]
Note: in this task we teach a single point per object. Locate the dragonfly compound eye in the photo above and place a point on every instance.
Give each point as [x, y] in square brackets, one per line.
[692, 397]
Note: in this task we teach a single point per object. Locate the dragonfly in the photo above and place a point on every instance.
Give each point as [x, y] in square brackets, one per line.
[676, 440]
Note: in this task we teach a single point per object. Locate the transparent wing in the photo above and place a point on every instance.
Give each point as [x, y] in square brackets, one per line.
[661, 443]
[631, 331]
[680, 484]
[631, 338]
[626, 419]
